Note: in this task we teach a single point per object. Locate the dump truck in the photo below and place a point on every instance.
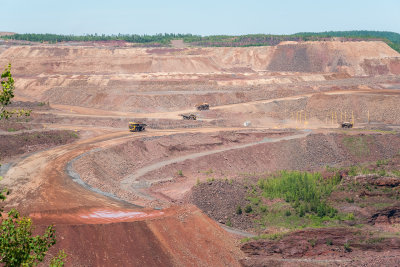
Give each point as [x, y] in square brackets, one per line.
[136, 127]
[346, 124]
[189, 117]
[203, 106]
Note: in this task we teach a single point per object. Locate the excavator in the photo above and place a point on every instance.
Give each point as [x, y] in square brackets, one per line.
[136, 127]
[346, 124]
[189, 117]
[203, 106]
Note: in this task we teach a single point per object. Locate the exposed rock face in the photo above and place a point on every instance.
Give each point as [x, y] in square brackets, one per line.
[388, 215]
[136, 79]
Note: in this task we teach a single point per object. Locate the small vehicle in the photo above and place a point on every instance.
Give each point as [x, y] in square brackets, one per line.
[189, 117]
[347, 125]
[203, 106]
[137, 127]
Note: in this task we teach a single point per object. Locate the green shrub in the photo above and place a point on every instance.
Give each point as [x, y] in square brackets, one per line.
[248, 209]
[350, 217]
[382, 173]
[74, 135]
[347, 247]
[254, 200]
[288, 213]
[329, 242]
[353, 171]
[382, 162]
[263, 209]
[238, 210]
[180, 173]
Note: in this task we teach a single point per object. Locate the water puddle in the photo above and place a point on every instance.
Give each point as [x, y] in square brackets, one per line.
[119, 215]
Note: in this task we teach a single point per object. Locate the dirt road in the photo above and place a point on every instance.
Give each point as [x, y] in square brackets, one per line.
[47, 184]
[75, 111]
[133, 183]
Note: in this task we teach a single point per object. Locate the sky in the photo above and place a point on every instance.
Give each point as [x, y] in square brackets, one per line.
[204, 17]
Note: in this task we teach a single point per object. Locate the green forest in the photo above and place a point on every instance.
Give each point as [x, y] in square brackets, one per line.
[391, 38]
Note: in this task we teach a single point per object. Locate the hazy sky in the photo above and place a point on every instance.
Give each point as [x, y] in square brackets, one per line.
[205, 17]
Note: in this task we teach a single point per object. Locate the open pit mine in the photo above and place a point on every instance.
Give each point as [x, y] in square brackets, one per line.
[199, 192]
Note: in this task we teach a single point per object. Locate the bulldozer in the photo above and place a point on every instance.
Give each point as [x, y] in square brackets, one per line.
[347, 125]
[203, 106]
[136, 127]
[189, 117]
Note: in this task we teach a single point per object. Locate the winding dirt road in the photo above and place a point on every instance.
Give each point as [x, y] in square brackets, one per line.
[41, 178]
[133, 183]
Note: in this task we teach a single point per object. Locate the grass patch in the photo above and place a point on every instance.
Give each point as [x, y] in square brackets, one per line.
[396, 173]
[208, 172]
[381, 205]
[304, 191]
[210, 179]
[375, 240]
[41, 104]
[276, 236]
[299, 201]
[382, 162]
[358, 145]
[254, 200]
[364, 170]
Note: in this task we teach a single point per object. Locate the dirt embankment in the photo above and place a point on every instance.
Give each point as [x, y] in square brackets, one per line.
[220, 200]
[318, 110]
[324, 247]
[310, 153]
[125, 159]
[304, 57]
[185, 237]
[349, 57]
[136, 79]
[180, 236]
[12, 145]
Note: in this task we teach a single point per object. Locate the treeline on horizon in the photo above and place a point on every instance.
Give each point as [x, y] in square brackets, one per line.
[391, 38]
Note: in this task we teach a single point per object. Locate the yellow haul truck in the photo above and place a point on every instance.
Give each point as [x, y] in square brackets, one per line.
[136, 127]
